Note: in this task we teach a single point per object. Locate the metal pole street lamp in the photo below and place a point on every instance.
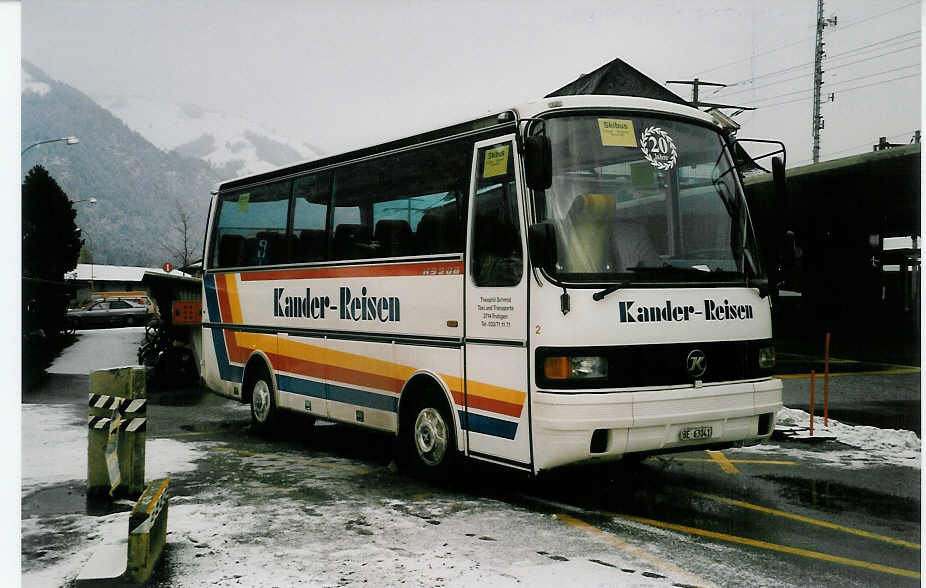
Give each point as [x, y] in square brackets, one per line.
[72, 140]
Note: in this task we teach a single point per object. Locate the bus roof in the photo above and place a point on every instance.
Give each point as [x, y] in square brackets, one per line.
[497, 120]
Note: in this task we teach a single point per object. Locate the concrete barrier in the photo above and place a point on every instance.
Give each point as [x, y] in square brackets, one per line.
[147, 531]
[132, 561]
[117, 424]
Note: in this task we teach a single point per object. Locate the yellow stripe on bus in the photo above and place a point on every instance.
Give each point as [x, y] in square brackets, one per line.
[369, 365]
[234, 302]
[484, 390]
[255, 340]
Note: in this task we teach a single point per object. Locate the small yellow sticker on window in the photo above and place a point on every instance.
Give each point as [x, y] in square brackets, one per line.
[243, 201]
[617, 133]
[496, 162]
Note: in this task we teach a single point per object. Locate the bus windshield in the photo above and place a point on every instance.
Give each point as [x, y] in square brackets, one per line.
[645, 198]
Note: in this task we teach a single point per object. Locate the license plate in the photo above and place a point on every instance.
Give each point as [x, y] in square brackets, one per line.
[695, 433]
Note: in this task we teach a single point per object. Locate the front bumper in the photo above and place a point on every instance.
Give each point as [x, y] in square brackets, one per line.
[564, 424]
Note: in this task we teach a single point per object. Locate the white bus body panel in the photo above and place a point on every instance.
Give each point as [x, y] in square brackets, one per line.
[647, 418]
[382, 323]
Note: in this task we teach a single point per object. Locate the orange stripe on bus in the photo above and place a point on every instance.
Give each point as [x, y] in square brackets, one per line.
[295, 365]
[222, 290]
[236, 353]
[497, 406]
[359, 271]
[341, 367]
[348, 376]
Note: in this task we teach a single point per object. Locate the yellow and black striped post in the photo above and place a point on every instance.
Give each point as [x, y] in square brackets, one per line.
[117, 425]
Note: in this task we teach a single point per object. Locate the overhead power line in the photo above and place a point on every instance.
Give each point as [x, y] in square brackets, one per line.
[751, 57]
[895, 40]
[880, 73]
[836, 56]
[841, 91]
[805, 39]
[870, 57]
[846, 25]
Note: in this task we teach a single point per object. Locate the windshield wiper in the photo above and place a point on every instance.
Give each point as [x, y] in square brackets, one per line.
[597, 296]
[664, 270]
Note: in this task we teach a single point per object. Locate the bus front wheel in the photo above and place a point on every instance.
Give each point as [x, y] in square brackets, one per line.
[429, 440]
[263, 407]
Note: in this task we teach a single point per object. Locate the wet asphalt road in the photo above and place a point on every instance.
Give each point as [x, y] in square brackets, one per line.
[700, 516]
[731, 519]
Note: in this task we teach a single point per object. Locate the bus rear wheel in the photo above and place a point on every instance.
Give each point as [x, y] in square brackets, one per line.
[429, 442]
[263, 406]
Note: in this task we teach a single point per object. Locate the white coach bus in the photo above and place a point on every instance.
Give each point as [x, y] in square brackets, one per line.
[574, 279]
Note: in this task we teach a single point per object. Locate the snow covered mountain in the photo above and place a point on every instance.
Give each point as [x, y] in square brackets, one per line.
[140, 188]
[233, 145]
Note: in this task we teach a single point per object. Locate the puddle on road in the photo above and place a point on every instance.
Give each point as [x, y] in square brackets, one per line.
[176, 396]
[834, 497]
[68, 499]
[213, 427]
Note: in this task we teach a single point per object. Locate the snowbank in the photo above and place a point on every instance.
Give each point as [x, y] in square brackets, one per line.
[864, 446]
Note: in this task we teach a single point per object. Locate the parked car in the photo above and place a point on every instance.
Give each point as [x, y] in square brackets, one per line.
[109, 313]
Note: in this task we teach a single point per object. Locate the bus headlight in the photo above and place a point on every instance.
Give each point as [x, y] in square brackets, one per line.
[574, 368]
[767, 358]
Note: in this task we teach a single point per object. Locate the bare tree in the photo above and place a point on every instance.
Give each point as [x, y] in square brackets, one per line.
[184, 237]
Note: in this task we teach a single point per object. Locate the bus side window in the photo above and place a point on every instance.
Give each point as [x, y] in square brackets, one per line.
[310, 216]
[497, 258]
[251, 227]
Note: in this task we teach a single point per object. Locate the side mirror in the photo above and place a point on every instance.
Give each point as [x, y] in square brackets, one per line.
[538, 162]
[541, 242]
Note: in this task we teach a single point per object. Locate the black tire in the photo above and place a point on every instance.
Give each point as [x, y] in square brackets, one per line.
[428, 439]
[263, 404]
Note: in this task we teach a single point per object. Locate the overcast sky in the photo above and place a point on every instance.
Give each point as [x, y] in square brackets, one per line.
[346, 74]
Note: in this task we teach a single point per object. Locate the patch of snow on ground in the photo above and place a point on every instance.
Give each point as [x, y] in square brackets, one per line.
[868, 446]
[65, 559]
[54, 449]
[351, 542]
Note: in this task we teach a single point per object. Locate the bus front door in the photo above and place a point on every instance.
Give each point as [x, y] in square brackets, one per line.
[496, 418]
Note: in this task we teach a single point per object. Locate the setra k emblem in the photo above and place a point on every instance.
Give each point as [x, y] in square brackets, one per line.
[696, 364]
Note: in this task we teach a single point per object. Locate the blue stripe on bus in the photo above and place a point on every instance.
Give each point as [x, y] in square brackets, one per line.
[227, 371]
[301, 387]
[212, 299]
[474, 422]
[363, 398]
[486, 425]
[338, 393]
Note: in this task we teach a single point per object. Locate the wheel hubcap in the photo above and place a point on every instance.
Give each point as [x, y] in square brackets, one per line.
[431, 436]
[260, 401]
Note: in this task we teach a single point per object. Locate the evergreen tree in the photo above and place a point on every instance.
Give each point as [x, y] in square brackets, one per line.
[51, 240]
[86, 254]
